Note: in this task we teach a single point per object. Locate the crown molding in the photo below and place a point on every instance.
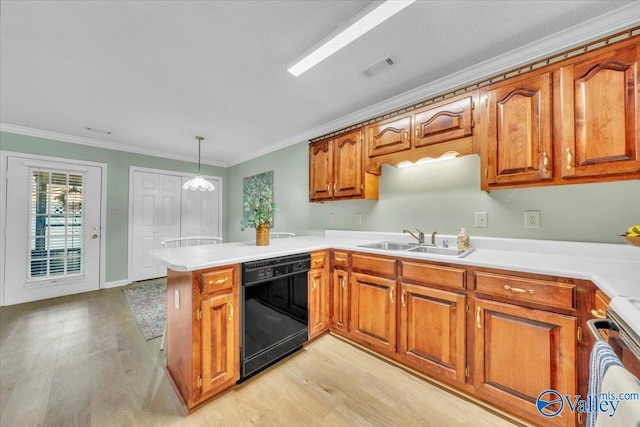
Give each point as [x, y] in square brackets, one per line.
[63, 137]
[610, 23]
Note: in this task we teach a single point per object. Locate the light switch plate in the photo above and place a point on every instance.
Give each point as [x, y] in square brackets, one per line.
[531, 219]
[482, 220]
[358, 219]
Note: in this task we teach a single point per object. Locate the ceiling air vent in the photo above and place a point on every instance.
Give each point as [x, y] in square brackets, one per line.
[379, 65]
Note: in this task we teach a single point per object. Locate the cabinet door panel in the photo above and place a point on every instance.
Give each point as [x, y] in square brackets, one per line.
[520, 352]
[432, 330]
[449, 121]
[321, 170]
[600, 105]
[340, 300]
[519, 139]
[388, 136]
[373, 311]
[220, 358]
[318, 302]
[348, 165]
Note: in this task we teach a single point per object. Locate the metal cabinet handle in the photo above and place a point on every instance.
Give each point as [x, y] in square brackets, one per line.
[569, 158]
[417, 131]
[340, 259]
[519, 290]
[313, 284]
[402, 298]
[545, 162]
[391, 295]
[343, 283]
[230, 310]
[218, 282]
[406, 136]
[478, 318]
[598, 314]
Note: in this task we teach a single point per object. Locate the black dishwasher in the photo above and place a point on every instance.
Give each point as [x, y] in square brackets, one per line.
[274, 311]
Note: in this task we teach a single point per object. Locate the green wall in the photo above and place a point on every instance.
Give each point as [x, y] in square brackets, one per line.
[440, 197]
[118, 163]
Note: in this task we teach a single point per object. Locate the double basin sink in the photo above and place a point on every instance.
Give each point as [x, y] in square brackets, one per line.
[425, 249]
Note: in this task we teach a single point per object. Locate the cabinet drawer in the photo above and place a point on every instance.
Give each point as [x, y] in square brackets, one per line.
[375, 265]
[340, 259]
[217, 280]
[528, 290]
[434, 274]
[318, 259]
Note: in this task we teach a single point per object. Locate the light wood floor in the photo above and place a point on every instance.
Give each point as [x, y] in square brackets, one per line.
[82, 361]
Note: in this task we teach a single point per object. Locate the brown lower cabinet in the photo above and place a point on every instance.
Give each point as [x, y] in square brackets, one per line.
[318, 294]
[203, 332]
[432, 330]
[521, 352]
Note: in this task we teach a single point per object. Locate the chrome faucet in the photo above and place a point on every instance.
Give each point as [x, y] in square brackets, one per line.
[419, 237]
[433, 238]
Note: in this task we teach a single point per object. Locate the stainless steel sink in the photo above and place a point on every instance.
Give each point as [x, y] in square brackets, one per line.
[412, 247]
[389, 246]
[439, 250]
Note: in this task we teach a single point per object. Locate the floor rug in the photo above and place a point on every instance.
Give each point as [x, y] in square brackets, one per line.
[148, 303]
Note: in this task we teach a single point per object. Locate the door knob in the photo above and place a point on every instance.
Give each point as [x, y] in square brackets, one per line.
[94, 236]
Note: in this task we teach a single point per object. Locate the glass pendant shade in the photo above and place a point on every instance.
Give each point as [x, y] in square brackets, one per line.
[198, 182]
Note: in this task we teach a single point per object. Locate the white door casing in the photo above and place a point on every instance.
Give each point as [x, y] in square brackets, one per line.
[70, 259]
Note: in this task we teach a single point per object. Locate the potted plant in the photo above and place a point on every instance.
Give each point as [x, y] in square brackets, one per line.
[258, 209]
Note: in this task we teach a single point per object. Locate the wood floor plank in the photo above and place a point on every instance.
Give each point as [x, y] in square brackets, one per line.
[82, 361]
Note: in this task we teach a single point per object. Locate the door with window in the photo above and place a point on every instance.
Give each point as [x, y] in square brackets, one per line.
[53, 214]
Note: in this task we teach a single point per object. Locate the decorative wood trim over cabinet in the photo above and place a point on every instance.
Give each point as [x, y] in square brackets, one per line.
[600, 127]
[521, 352]
[519, 131]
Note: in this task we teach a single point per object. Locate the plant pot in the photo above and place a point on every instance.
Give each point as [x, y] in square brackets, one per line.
[262, 235]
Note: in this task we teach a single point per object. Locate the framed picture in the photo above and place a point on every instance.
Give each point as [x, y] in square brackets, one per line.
[254, 188]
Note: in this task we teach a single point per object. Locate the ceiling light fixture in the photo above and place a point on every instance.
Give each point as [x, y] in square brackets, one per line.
[355, 27]
[427, 160]
[198, 182]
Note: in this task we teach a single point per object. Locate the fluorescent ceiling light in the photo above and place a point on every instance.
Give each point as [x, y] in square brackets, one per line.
[426, 160]
[370, 20]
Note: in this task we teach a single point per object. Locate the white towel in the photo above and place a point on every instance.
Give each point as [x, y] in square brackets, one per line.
[618, 380]
[602, 358]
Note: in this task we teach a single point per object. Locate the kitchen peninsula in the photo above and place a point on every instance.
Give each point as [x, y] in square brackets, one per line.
[449, 318]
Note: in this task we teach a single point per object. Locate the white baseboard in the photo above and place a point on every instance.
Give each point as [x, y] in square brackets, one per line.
[115, 284]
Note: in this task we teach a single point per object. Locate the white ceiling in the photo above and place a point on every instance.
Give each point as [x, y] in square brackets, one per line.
[157, 73]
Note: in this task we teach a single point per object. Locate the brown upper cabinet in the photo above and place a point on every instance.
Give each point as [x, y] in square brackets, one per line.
[517, 142]
[388, 136]
[336, 169]
[599, 98]
[447, 121]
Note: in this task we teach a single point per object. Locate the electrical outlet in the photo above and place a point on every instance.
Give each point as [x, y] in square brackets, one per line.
[531, 219]
[358, 219]
[332, 219]
[176, 299]
[482, 220]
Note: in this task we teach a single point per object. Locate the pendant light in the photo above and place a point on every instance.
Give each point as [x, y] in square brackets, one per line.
[198, 182]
